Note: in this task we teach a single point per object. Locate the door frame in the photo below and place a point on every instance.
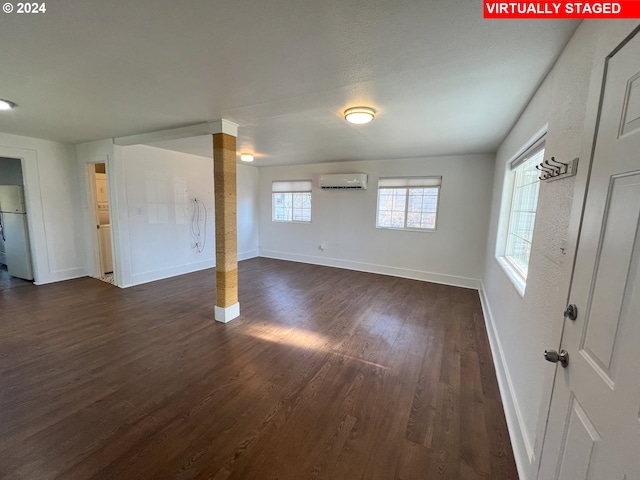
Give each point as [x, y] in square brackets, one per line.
[95, 265]
[34, 208]
[591, 124]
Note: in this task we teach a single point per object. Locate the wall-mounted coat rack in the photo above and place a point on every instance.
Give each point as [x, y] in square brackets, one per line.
[553, 170]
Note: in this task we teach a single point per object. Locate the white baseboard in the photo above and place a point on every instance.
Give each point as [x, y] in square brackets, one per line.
[161, 274]
[522, 449]
[59, 276]
[452, 280]
[247, 255]
[226, 314]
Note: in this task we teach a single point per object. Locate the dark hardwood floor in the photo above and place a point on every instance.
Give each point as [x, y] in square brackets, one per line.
[327, 374]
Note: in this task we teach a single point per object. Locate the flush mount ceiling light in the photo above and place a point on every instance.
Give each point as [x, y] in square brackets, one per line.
[359, 115]
[246, 157]
[6, 105]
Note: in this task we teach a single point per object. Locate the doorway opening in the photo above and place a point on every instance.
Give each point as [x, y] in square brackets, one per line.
[104, 252]
[16, 268]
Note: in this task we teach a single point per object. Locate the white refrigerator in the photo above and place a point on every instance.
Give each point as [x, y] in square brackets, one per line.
[14, 234]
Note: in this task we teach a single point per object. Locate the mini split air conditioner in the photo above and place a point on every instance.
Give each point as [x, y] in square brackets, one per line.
[353, 181]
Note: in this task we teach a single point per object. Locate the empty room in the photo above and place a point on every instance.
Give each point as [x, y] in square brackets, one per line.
[330, 240]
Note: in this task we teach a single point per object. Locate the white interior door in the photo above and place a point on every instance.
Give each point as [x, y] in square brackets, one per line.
[593, 430]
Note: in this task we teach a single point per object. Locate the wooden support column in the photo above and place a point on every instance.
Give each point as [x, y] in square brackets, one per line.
[224, 177]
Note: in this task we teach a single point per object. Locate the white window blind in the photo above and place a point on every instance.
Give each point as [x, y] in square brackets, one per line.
[405, 182]
[291, 186]
[291, 201]
[531, 151]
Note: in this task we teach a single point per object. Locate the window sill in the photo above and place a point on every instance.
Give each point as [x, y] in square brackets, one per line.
[304, 222]
[421, 230]
[516, 278]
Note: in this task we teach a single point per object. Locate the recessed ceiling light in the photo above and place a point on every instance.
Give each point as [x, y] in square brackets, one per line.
[246, 157]
[359, 115]
[6, 105]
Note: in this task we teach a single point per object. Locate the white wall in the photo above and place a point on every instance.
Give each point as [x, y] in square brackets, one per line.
[151, 230]
[10, 171]
[53, 205]
[344, 221]
[247, 185]
[160, 240]
[521, 328]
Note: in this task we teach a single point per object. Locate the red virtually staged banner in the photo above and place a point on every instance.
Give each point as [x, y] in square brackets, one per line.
[562, 9]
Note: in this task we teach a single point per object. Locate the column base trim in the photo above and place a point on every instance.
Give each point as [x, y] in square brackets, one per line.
[226, 314]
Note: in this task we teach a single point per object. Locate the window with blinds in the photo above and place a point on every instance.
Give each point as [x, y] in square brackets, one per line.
[291, 201]
[524, 203]
[408, 203]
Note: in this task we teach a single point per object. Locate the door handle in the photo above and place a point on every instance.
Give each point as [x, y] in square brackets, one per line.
[555, 357]
[571, 312]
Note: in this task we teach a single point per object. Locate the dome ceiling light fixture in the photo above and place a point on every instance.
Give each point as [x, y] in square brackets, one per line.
[246, 157]
[359, 115]
[6, 104]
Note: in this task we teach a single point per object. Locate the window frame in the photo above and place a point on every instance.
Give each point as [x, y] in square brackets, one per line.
[292, 187]
[407, 183]
[534, 152]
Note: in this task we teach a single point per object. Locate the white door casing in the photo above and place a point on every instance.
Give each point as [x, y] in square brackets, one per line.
[593, 428]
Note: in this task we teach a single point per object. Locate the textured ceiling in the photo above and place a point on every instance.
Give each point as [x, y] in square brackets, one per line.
[443, 79]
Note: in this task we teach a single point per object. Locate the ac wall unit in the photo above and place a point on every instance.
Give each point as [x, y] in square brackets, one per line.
[353, 181]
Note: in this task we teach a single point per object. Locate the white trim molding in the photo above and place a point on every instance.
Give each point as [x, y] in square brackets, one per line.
[523, 451]
[60, 275]
[226, 314]
[162, 273]
[445, 279]
[247, 255]
[207, 128]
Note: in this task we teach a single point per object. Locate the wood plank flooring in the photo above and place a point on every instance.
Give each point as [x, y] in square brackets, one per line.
[327, 374]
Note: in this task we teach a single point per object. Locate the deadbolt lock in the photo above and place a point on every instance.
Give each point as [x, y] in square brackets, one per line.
[555, 357]
[571, 312]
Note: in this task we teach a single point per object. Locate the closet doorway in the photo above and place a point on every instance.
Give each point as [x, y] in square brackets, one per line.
[103, 242]
[16, 267]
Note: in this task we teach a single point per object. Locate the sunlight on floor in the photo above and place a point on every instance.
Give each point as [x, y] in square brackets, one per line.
[296, 337]
[300, 338]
